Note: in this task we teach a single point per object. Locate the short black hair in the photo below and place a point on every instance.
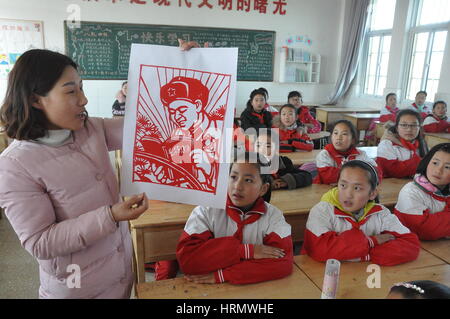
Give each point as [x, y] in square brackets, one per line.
[294, 94]
[422, 167]
[422, 92]
[390, 94]
[439, 102]
[422, 289]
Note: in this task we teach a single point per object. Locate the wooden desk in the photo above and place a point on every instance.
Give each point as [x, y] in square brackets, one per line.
[439, 248]
[433, 139]
[361, 121]
[353, 275]
[332, 114]
[295, 286]
[155, 233]
[302, 157]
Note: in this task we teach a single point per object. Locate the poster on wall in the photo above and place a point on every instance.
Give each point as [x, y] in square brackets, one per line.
[179, 106]
[16, 37]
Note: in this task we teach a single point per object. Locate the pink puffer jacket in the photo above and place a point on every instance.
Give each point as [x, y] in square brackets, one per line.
[57, 200]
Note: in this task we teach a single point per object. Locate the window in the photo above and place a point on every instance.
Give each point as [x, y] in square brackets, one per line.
[377, 45]
[428, 37]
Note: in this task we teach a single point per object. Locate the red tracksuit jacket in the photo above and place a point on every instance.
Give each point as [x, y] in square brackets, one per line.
[433, 124]
[291, 140]
[305, 117]
[222, 241]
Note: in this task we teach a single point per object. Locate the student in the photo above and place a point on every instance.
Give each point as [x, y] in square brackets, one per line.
[118, 108]
[341, 149]
[419, 289]
[347, 224]
[293, 135]
[419, 104]
[57, 185]
[303, 113]
[268, 107]
[254, 115]
[249, 241]
[402, 147]
[390, 110]
[424, 204]
[437, 122]
[287, 175]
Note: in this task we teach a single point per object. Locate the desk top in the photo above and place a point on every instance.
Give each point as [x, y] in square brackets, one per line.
[162, 214]
[362, 115]
[302, 157]
[439, 248]
[321, 134]
[441, 135]
[354, 275]
[295, 286]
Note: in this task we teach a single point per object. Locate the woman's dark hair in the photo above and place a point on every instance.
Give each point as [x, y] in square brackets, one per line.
[422, 289]
[390, 94]
[351, 127]
[422, 167]
[439, 102]
[266, 93]
[35, 73]
[373, 174]
[294, 94]
[252, 95]
[124, 83]
[259, 161]
[423, 148]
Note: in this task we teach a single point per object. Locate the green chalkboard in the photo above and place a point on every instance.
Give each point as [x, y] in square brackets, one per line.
[102, 50]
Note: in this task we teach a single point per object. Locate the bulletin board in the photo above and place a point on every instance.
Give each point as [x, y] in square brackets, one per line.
[16, 37]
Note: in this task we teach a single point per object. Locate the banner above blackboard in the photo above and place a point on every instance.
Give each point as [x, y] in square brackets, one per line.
[102, 50]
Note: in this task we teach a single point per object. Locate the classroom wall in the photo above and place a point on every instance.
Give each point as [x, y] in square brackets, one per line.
[320, 20]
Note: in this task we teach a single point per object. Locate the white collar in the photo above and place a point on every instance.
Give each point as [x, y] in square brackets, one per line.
[55, 137]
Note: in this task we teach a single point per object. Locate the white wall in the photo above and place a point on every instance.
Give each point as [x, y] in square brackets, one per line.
[320, 20]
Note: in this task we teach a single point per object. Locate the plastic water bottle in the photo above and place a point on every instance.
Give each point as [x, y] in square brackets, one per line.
[331, 279]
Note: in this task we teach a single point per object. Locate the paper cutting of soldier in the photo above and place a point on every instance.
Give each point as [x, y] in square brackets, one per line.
[189, 156]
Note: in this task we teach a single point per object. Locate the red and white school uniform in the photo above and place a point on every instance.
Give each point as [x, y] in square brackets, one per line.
[329, 163]
[222, 241]
[424, 110]
[398, 159]
[388, 113]
[304, 116]
[291, 140]
[424, 209]
[271, 109]
[333, 233]
[434, 124]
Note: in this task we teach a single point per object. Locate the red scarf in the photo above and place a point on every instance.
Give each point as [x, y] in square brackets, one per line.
[410, 146]
[339, 156]
[260, 116]
[236, 214]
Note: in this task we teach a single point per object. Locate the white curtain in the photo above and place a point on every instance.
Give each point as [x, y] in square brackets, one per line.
[355, 31]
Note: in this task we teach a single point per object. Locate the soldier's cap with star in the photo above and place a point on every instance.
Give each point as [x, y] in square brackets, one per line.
[184, 88]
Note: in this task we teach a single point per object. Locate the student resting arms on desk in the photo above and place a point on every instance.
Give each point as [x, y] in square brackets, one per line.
[424, 204]
[341, 149]
[57, 185]
[254, 114]
[303, 113]
[348, 224]
[287, 175]
[402, 146]
[249, 241]
[293, 135]
[437, 122]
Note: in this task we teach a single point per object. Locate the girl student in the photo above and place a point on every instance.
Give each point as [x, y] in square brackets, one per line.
[348, 225]
[118, 108]
[390, 110]
[293, 135]
[303, 113]
[255, 115]
[267, 106]
[341, 149]
[437, 122]
[424, 204]
[287, 175]
[57, 185]
[249, 241]
[402, 146]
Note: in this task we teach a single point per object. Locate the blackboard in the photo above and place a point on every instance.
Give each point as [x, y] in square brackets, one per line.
[102, 50]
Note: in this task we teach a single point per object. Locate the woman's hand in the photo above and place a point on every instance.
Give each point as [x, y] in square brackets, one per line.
[187, 45]
[263, 251]
[130, 209]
